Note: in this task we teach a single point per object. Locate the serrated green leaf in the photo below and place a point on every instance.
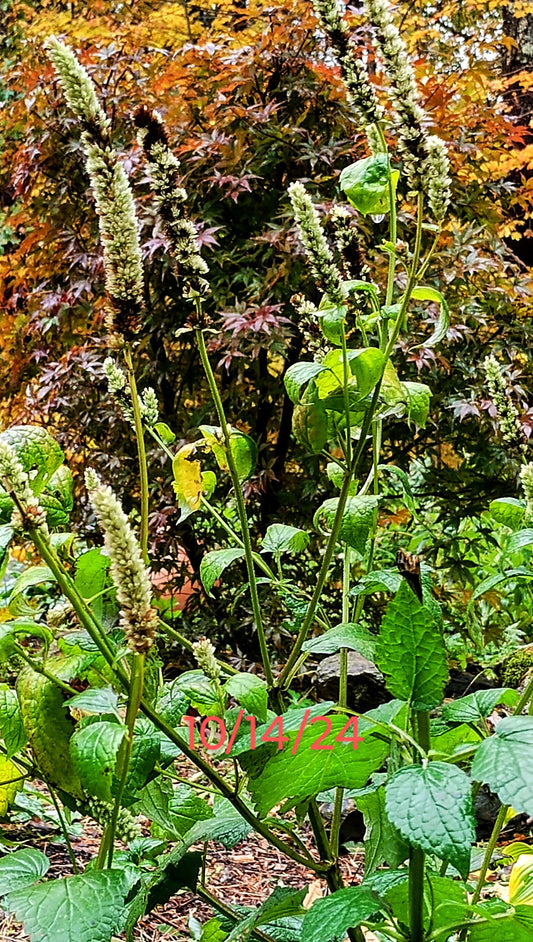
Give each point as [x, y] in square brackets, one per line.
[346, 635]
[365, 368]
[508, 510]
[357, 519]
[94, 750]
[49, 727]
[282, 538]
[38, 453]
[284, 901]
[445, 901]
[22, 868]
[383, 842]
[95, 700]
[503, 762]
[311, 771]
[298, 375]
[291, 723]
[410, 652]
[173, 812]
[251, 692]
[418, 398]
[475, 706]
[214, 563]
[11, 725]
[172, 703]
[425, 293]
[199, 690]
[84, 908]
[432, 809]
[329, 918]
[381, 580]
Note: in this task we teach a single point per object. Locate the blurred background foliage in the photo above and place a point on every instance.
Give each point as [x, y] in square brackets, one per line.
[253, 101]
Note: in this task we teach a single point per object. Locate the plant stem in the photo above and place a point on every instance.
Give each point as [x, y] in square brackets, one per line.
[411, 281]
[64, 829]
[246, 539]
[39, 669]
[188, 645]
[343, 698]
[417, 856]
[216, 903]
[141, 453]
[124, 756]
[330, 545]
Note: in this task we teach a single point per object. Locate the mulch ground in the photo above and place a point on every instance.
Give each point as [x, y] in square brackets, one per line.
[245, 875]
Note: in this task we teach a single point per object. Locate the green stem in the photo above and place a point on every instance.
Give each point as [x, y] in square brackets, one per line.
[343, 697]
[141, 453]
[69, 590]
[188, 645]
[331, 543]
[39, 669]
[217, 904]
[124, 756]
[64, 829]
[411, 281]
[417, 856]
[392, 226]
[246, 539]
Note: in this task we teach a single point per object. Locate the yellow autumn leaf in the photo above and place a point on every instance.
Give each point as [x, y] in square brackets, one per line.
[8, 787]
[188, 483]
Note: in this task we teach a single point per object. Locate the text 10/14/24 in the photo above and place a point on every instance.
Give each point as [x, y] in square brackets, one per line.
[213, 737]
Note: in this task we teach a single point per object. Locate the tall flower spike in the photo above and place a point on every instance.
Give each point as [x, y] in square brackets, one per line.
[204, 653]
[134, 592]
[360, 91]
[315, 243]
[508, 420]
[29, 512]
[119, 230]
[179, 229]
[526, 479]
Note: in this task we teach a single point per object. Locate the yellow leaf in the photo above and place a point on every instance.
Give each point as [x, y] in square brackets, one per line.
[188, 482]
[521, 881]
[8, 787]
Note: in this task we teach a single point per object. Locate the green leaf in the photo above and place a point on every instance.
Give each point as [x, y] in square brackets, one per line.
[366, 182]
[165, 433]
[94, 750]
[95, 700]
[281, 538]
[346, 635]
[6, 535]
[311, 771]
[283, 902]
[519, 540]
[492, 581]
[84, 908]
[291, 723]
[383, 842]
[199, 690]
[60, 486]
[418, 397]
[329, 918]
[49, 728]
[20, 626]
[508, 510]
[381, 580]
[173, 812]
[425, 293]
[214, 563]
[365, 369]
[432, 809]
[503, 762]
[22, 868]
[410, 652]
[172, 703]
[298, 375]
[11, 725]
[357, 519]
[91, 578]
[310, 420]
[475, 706]
[445, 901]
[516, 927]
[251, 692]
[332, 318]
[35, 575]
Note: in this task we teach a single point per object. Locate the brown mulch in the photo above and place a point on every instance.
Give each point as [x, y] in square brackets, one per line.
[245, 875]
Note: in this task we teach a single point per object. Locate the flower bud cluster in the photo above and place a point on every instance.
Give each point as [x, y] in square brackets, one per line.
[131, 577]
[204, 652]
[28, 512]
[315, 243]
[128, 829]
[508, 420]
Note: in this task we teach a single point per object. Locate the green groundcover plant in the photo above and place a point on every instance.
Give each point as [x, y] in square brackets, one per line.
[90, 716]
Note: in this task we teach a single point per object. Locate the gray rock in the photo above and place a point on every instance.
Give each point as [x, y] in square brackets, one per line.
[366, 685]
